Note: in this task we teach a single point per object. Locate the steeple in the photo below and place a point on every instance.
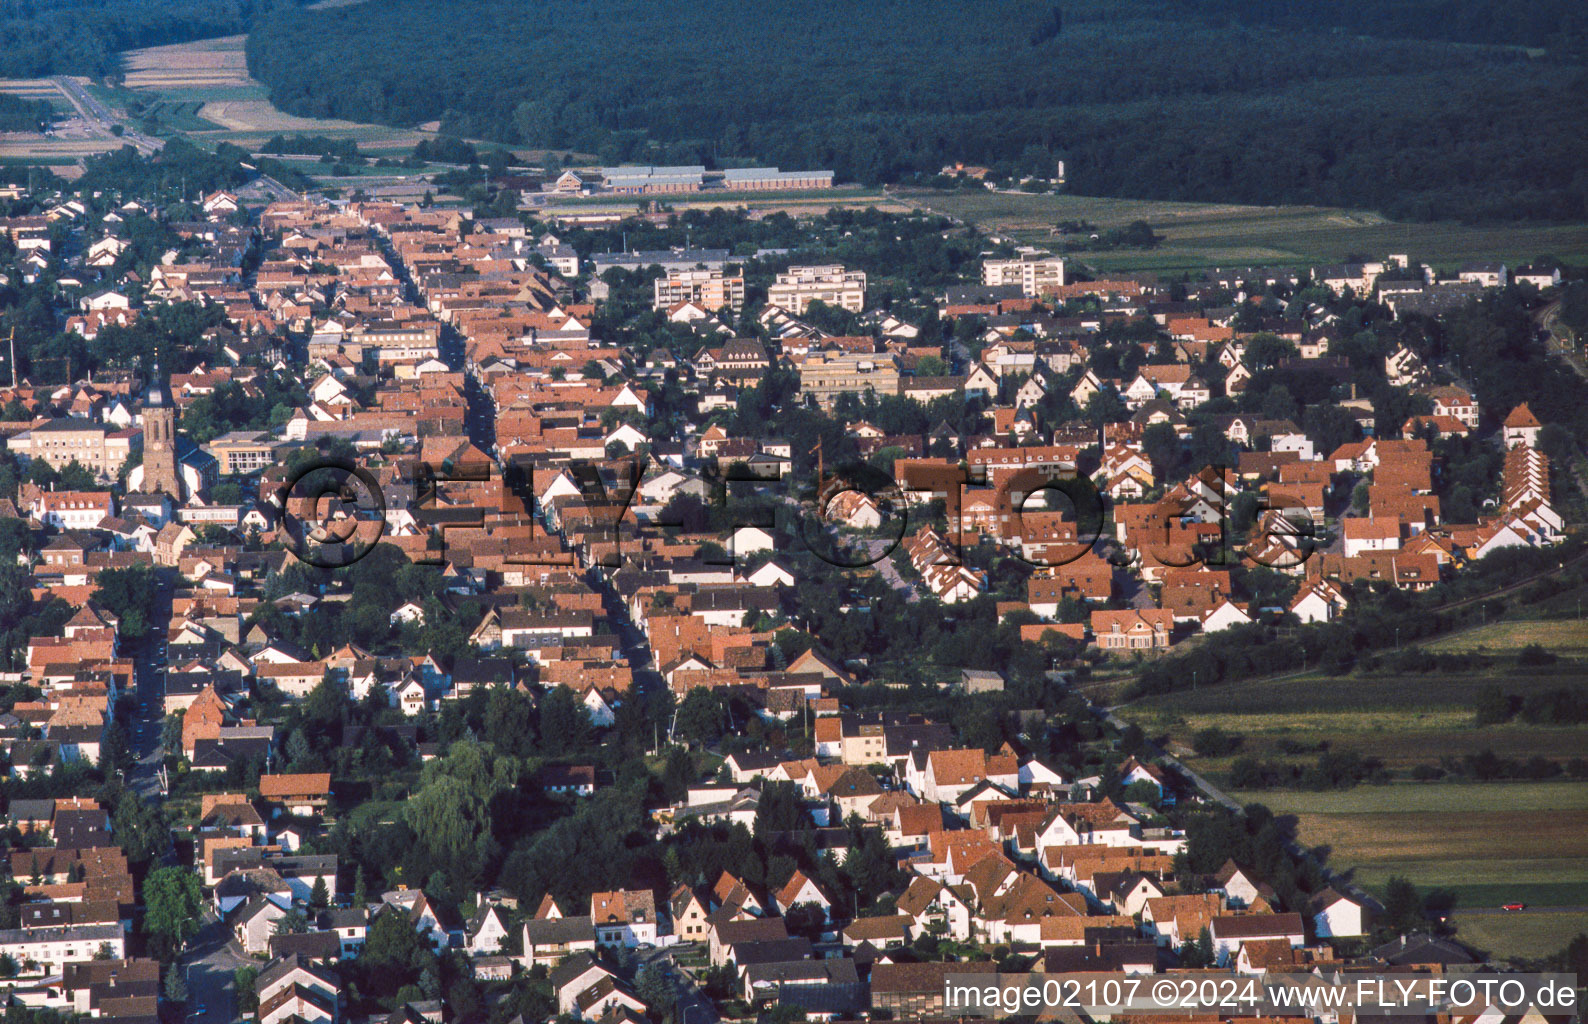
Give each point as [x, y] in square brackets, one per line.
[154, 397]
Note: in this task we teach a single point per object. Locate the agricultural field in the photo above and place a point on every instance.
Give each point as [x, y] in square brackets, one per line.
[1567, 639]
[1522, 936]
[1198, 235]
[1487, 843]
[213, 74]
[37, 89]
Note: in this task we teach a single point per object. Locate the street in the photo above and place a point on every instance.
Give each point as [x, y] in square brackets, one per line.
[96, 113]
[693, 1006]
[211, 963]
[149, 675]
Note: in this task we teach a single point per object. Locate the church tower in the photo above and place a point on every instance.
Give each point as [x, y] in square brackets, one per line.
[161, 471]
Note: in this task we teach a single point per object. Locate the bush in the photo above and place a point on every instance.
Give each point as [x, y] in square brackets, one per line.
[1427, 772]
[1250, 773]
[1535, 654]
[1215, 742]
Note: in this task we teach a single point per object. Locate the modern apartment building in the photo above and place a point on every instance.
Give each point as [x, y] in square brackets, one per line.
[1035, 272]
[708, 289]
[833, 285]
[826, 375]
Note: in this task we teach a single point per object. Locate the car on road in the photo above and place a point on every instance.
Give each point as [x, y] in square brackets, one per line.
[1513, 906]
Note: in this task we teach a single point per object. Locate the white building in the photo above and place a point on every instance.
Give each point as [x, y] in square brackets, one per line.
[831, 285]
[52, 948]
[1035, 271]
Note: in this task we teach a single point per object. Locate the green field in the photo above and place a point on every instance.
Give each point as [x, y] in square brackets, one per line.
[178, 115]
[1521, 936]
[1411, 797]
[1568, 638]
[1403, 720]
[1487, 843]
[1198, 235]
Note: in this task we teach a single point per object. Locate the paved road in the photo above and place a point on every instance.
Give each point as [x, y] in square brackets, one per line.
[1488, 911]
[98, 114]
[693, 1006]
[890, 572]
[149, 672]
[211, 963]
[276, 189]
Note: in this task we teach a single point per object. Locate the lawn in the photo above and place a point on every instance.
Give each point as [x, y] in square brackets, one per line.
[1198, 235]
[1520, 936]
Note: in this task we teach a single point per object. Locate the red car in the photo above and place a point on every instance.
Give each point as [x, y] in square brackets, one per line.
[1513, 906]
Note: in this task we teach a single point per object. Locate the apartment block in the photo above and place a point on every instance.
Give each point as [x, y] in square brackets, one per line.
[709, 289]
[833, 285]
[1034, 272]
[826, 375]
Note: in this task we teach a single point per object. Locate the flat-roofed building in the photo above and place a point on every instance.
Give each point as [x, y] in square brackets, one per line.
[831, 285]
[709, 289]
[1034, 272]
[769, 179]
[241, 452]
[646, 180]
[397, 342]
[826, 375]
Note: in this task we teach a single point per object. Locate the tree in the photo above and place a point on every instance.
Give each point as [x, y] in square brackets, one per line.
[1403, 907]
[128, 594]
[114, 751]
[319, 897]
[1215, 742]
[701, 716]
[172, 904]
[1162, 446]
[293, 922]
[175, 985]
[1264, 351]
[140, 828]
[171, 733]
[451, 811]
[655, 987]
[1491, 707]
[247, 993]
[77, 477]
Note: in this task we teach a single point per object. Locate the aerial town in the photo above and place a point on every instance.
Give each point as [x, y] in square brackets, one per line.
[420, 615]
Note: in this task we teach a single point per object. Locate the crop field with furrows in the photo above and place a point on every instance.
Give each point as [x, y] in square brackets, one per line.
[1487, 844]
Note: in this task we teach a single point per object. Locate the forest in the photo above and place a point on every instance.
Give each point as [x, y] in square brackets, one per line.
[1159, 99]
[85, 37]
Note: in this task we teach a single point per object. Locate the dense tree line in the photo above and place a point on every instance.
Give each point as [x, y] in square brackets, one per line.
[1545, 23]
[85, 37]
[1140, 98]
